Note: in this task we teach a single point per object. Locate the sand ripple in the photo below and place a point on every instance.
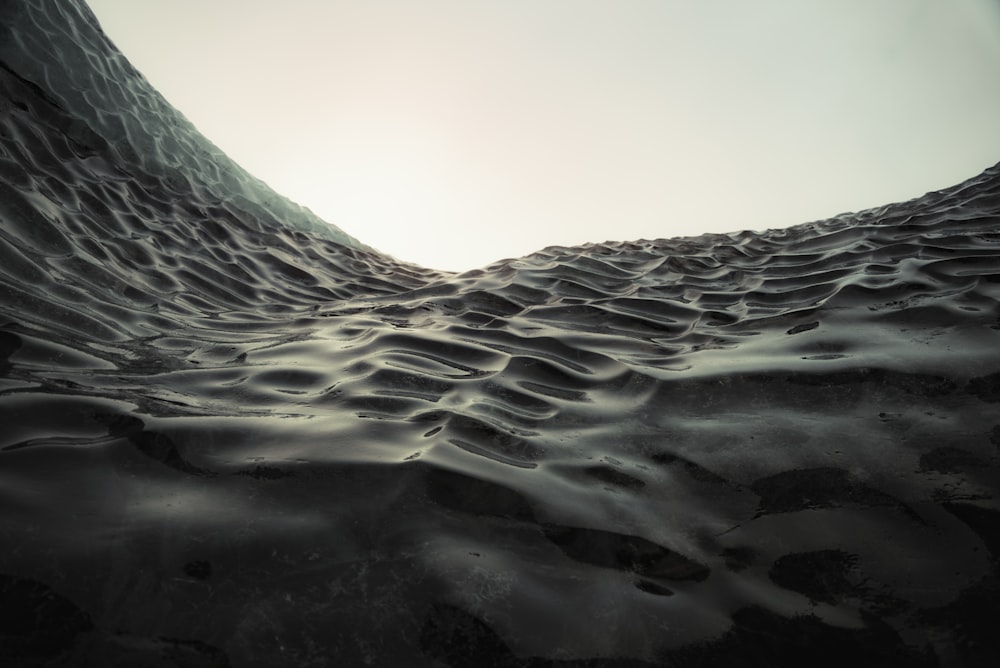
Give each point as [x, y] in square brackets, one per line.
[231, 439]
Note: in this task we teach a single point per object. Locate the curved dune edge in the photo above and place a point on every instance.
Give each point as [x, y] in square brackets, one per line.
[235, 440]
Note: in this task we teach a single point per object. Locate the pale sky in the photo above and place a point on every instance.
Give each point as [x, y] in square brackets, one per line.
[453, 133]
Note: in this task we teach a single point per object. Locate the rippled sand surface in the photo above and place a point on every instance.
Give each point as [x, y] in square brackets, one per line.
[233, 438]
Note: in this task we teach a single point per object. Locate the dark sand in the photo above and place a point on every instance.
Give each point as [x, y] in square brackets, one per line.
[231, 438]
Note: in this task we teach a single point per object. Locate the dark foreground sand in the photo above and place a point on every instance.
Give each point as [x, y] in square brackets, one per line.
[229, 438]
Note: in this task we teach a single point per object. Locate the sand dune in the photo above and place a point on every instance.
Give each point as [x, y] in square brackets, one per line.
[233, 437]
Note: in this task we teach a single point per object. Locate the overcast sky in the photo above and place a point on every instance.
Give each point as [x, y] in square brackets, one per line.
[452, 133]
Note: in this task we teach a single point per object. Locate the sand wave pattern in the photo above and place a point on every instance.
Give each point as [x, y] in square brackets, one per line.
[230, 439]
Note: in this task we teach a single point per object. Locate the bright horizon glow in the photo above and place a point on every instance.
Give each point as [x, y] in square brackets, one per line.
[453, 133]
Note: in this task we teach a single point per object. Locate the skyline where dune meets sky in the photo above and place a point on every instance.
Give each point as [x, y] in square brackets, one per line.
[453, 133]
